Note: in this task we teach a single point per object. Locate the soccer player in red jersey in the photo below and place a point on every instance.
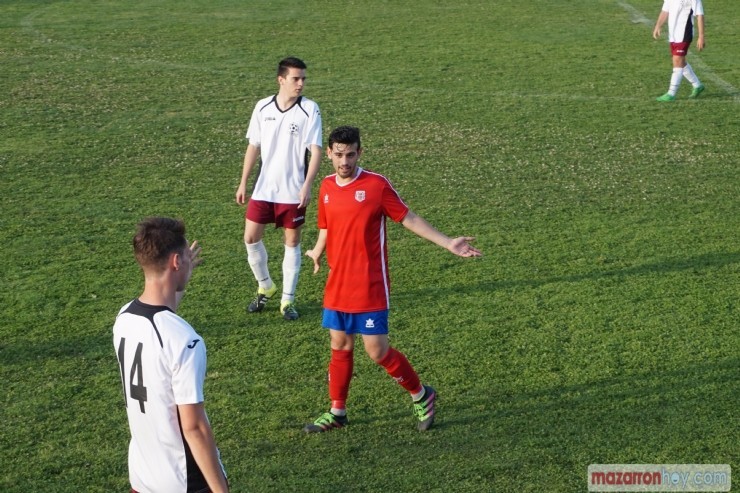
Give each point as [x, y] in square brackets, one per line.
[353, 206]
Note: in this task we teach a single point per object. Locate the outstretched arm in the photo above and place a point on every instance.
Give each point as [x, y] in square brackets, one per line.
[460, 246]
[317, 250]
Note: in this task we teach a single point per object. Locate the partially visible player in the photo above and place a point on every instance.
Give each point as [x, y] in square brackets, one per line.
[162, 361]
[283, 131]
[679, 14]
[352, 211]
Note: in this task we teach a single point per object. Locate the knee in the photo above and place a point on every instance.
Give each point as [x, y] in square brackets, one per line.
[292, 237]
[339, 343]
[253, 232]
[376, 353]
[251, 238]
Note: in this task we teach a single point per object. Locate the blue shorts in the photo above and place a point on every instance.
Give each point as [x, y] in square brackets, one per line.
[367, 323]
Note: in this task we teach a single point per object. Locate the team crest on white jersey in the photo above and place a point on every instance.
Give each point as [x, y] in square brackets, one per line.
[360, 195]
[293, 128]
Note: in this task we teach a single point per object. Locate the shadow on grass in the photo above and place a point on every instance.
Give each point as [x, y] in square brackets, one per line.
[70, 345]
[640, 398]
[673, 386]
[697, 263]
[541, 438]
[64, 347]
[691, 408]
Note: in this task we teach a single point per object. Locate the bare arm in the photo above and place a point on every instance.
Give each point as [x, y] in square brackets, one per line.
[700, 26]
[313, 170]
[197, 432]
[459, 246]
[250, 160]
[195, 261]
[659, 23]
[317, 250]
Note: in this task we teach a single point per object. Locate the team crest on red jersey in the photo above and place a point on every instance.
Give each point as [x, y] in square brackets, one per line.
[360, 195]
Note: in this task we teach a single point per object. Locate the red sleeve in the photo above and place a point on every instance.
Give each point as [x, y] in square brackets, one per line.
[393, 206]
[321, 213]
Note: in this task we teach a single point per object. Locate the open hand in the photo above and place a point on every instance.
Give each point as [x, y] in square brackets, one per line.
[460, 246]
[195, 258]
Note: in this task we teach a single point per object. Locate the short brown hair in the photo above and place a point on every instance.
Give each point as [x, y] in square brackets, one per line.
[156, 238]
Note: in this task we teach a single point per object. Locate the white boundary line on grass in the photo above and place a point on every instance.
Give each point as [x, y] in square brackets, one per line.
[28, 24]
[639, 18]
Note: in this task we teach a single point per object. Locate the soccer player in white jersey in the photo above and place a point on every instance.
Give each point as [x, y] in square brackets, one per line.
[679, 14]
[162, 361]
[283, 131]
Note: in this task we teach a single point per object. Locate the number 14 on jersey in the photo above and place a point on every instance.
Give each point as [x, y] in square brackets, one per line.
[137, 390]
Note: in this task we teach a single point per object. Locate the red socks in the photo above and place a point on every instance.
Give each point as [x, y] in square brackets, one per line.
[397, 366]
[340, 374]
[341, 366]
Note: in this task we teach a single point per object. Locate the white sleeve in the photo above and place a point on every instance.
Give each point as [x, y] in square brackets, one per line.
[313, 136]
[189, 372]
[253, 131]
[698, 8]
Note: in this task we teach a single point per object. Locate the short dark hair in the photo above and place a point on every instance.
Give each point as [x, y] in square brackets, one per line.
[156, 238]
[288, 63]
[345, 135]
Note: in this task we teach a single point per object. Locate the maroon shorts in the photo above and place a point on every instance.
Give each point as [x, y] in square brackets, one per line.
[206, 491]
[680, 49]
[288, 216]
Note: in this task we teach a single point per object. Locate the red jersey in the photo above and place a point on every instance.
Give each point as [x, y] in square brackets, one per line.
[353, 216]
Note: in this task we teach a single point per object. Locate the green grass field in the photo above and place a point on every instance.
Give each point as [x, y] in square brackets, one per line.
[601, 326]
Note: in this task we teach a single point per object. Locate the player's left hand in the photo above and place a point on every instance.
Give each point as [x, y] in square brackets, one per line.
[195, 258]
[460, 246]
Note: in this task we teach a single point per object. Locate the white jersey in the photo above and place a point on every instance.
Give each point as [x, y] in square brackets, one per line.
[162, 361]
[680, 13]
[284, 139]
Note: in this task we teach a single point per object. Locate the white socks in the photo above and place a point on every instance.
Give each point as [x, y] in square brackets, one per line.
[257, 258]
[690, 76]
[675, 80]
[291, 268]
[418, 395]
